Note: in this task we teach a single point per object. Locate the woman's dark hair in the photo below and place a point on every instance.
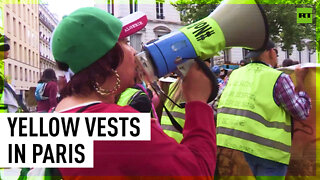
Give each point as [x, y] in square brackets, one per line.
[287, 62]
[48, 75]
[82, 83]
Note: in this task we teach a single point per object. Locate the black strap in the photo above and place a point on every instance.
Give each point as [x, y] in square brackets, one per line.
[86, 107]
[173, 121]
[80, 110]
[134, 95]
[212, 77]
[20, 103]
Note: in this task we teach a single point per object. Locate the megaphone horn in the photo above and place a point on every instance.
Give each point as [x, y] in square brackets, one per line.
[243, 24]
[240, 23]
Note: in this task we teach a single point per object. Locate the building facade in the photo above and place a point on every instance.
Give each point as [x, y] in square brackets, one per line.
[47, 24]
[163, 18]
[21, 26]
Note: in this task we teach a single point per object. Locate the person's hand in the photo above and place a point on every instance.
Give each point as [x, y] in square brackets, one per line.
[196, 85]
[301, 74]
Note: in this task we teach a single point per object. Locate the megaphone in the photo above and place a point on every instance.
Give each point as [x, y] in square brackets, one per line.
[234, 23]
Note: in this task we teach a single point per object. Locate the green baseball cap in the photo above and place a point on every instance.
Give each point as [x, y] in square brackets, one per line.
[85, 36]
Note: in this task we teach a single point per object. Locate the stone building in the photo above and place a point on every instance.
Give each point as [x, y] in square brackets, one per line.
[21, 26]
[47, 24]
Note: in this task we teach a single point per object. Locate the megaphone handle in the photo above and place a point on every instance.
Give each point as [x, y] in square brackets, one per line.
[183, 68]
[212, 77]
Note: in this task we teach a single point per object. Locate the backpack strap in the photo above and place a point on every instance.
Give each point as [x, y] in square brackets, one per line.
[134, 96]
[154, 112]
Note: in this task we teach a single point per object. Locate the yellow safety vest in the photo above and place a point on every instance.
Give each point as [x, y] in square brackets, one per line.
[128, 95]
[3, 107]
[176, 112]
[248, 118]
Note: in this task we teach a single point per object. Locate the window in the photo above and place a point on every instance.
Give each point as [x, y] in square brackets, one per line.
[9, 70]
[25, 55]
[28, 15]
[34, 77]
[15, 73]
[159, 10]
[133, 6]
[29, 57]
[33, 60]
[36, 60]
[15, 50]
[20, 11]
[20, 52]
[25, 75]
[21, 74]
[20, 31]
[36, 20]
[24, 12]
[31, 20]
[25, 34]
[161, 30]
[110, 6]
[14, 27]
[8, 25]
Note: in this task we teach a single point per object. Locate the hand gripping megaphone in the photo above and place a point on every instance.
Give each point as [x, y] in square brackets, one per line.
[234, 23]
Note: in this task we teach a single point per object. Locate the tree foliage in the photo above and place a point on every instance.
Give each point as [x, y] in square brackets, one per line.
[192, 11]
[281, 15]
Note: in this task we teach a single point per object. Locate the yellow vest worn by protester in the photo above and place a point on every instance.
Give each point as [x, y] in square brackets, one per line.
[249, 120]
[176, 112]
[3, 107]
[128, 95]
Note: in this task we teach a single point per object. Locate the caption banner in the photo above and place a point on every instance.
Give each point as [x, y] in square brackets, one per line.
[64, 139]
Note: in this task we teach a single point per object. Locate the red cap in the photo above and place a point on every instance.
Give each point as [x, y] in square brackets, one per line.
[133, 23]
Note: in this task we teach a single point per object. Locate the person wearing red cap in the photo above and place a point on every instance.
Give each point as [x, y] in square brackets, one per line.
[87, 43]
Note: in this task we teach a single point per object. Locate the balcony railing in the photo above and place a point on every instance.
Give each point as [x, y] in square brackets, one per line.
[45, 21]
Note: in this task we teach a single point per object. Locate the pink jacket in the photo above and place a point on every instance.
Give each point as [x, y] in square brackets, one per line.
[162, 156]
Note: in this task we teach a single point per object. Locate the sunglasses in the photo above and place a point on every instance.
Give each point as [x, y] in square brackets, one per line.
[276, 51]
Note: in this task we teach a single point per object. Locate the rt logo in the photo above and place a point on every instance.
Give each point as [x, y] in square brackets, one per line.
[304, 15]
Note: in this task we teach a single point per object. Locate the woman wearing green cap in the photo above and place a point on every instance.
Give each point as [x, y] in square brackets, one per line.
[87, 42]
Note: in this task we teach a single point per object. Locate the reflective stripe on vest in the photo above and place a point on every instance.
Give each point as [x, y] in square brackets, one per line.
[128, 95]
[248, 118]
[176, 112]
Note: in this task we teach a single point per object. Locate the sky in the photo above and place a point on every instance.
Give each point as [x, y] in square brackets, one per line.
[65, 7]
